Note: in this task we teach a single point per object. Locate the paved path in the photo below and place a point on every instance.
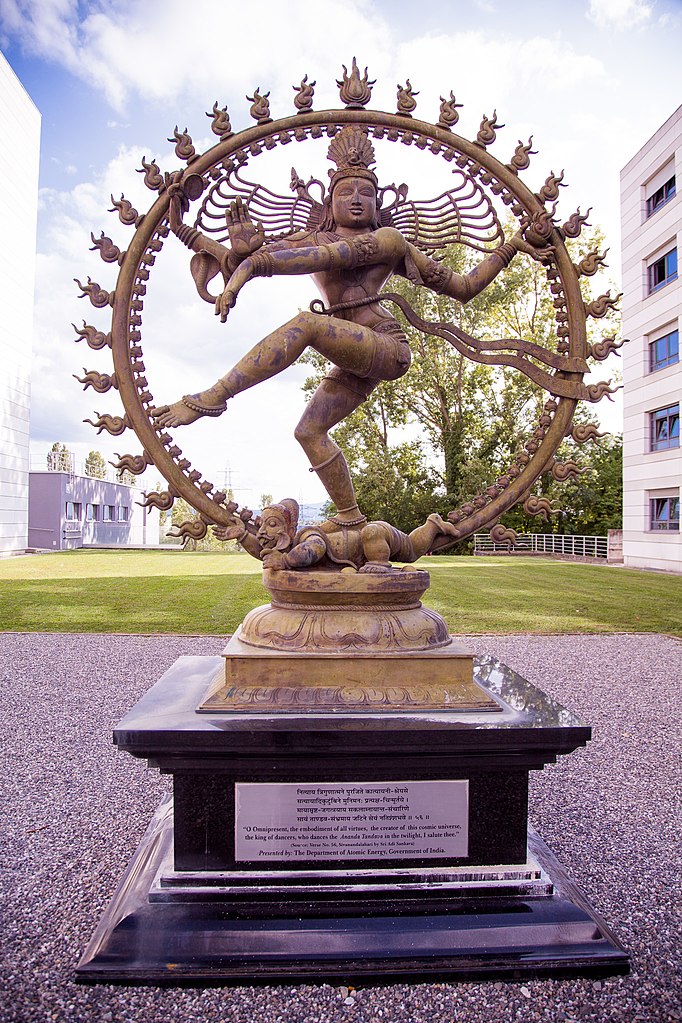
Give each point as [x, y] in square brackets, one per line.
[75, 809]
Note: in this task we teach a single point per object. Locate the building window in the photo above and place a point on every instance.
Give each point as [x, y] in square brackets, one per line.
[665, 428]
[123, 513]
[73, 511]
[660, 197]
[664, 513]
[662, 271]
[92, 512]
[664, 351]
[109, 513]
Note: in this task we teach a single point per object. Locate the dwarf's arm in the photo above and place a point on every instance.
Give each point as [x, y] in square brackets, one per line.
[309, 551]
[242, 535]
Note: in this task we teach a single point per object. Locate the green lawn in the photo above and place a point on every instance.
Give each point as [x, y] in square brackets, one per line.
[177, 592]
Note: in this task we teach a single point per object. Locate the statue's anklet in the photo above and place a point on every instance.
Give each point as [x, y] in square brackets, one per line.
[192, 402]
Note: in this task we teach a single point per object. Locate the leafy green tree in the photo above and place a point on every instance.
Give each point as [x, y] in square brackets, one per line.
[59, 458]
[593, 503]
[589, 504]
[95, 466]
[399, 487]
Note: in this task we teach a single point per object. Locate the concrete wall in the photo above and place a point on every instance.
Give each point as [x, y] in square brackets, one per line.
[50, 528]
[19, 156]
[646, 316]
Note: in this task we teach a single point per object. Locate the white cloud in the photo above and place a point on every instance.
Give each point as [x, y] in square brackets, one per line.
[155, 49]
[619, 14]
[47, 28]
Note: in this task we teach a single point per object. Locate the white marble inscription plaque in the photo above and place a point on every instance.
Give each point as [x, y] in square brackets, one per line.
[351, 820]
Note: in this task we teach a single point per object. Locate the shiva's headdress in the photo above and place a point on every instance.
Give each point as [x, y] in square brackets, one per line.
[353, 154]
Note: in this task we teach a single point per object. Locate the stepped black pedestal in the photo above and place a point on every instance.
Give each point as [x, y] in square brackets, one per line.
[346, 844]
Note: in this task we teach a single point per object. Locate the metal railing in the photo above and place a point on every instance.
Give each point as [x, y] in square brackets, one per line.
[563, 545]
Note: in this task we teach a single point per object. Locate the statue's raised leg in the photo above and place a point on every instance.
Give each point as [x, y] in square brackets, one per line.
[348, 345]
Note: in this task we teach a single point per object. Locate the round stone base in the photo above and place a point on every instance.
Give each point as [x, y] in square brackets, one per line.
[333, 612]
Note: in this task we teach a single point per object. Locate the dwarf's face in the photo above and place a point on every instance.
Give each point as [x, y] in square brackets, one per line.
[273, 534]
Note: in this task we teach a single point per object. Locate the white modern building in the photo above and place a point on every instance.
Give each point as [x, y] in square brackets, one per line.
[651, 214]
[19, 155]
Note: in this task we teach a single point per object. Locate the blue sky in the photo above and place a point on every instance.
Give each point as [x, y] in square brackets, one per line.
[591, 79]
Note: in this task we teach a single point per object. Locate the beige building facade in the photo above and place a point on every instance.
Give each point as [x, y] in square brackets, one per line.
[651, 216]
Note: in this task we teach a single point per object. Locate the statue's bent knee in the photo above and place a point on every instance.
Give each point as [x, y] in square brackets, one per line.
[307, 430]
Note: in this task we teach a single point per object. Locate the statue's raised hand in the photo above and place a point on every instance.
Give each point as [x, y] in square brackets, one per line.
[179, 205]
[534, 238]
[245, 236]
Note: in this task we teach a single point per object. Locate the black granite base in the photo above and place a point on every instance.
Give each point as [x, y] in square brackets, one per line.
[189, 909]
[464, 936]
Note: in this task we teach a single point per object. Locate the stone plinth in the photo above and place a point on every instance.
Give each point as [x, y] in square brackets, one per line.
[498, 904]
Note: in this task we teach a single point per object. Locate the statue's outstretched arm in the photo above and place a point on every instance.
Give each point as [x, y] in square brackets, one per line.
[463, 287]
[383, 246]
[309, 552]
[239, 532]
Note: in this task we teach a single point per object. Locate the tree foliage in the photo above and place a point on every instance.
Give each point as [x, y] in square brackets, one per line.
[95, 466]
[589, 504]
[59, 458]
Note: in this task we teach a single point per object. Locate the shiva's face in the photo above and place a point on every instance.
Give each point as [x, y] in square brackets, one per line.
[354, 203]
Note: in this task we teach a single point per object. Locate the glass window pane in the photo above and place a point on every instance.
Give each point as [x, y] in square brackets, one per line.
[656, 271]
[671, 263]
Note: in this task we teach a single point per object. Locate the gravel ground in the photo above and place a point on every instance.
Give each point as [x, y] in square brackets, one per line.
[76, 809]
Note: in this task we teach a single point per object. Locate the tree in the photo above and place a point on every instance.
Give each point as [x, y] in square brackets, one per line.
[265, 501]
[59, 458]
[95, 466]
[399, 486]
[593, 503]
[589, 504]
[126, 476]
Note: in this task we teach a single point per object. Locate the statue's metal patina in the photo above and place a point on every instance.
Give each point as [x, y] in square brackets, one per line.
[351, 237]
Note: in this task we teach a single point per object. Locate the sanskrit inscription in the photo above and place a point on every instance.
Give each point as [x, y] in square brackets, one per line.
[351, 820]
